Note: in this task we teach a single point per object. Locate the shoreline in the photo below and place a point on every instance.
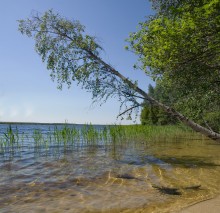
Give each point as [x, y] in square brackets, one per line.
[45, 123]
[211, 205]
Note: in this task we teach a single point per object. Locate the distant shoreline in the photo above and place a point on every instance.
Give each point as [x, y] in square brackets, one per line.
[41, 123]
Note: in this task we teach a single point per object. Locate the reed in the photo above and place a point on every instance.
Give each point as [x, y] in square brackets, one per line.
[69, 136]
[137, 133]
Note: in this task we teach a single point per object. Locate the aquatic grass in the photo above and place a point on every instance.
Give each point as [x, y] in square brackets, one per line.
[11, 136]
[9, 141]
[104, 135]
[140, 133]
[68, 137]
[75, 135]
[92, 135]
[65, 136]
[3, 144]
[38, 137]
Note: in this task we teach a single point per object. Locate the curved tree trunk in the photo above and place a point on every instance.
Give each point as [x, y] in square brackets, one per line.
[188, 122]
[83, 50]
[196, 127]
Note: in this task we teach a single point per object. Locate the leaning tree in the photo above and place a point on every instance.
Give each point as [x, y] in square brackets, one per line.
[72, 55]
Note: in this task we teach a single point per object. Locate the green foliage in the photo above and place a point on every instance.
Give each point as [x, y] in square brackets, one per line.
[213, 120]
[179, 47]
[72, 55]
[153, 115]
[63, 45]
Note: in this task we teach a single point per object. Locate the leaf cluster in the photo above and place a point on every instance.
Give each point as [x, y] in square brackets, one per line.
[72, 55]
[180, 47]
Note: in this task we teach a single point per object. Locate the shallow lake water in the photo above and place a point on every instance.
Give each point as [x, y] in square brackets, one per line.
[133, 176]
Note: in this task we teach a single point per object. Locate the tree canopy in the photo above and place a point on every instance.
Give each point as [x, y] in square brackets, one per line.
[178, 47]
[183, 48]
[72, 55]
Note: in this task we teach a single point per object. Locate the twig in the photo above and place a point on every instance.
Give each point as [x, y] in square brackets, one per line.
[128, 110]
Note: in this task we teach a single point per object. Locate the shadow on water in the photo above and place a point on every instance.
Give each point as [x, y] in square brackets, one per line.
[175, 191]
[145, 160]
[189, 162]
[167, 190]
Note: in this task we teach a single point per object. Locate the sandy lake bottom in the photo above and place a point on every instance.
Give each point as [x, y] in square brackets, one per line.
[125, 177]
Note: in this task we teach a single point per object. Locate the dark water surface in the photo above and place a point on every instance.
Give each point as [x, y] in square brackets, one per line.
[154, 176]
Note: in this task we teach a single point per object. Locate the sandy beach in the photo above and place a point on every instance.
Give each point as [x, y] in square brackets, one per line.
[208, 206]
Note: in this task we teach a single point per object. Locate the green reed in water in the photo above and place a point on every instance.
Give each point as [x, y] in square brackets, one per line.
[151, 133]
[64, 136]
[9, 140]
[90, 135]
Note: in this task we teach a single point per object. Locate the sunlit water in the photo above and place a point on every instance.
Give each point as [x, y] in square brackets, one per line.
[152, 176]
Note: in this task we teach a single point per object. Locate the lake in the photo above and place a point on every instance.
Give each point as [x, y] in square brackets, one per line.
[42, 169]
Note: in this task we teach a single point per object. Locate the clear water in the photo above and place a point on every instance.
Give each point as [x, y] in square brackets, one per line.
[154, 176]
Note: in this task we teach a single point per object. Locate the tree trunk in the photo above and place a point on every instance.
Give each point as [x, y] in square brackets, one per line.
[196, 127]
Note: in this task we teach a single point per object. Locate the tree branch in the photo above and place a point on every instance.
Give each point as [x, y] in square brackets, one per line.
[129, 94]
[131, 108]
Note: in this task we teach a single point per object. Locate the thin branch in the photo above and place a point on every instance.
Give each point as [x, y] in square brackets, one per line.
[205, 122]
[131, 108]
[137, 96]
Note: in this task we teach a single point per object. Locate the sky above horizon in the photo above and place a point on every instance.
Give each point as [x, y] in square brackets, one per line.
[27, 93]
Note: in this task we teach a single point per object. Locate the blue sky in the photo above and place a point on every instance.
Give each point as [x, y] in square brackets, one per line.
[27, 93]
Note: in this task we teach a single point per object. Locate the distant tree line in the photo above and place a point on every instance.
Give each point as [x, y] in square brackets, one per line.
[207, 114]
[152, 114]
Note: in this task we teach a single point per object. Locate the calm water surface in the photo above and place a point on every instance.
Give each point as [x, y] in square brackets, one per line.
[147, 176]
